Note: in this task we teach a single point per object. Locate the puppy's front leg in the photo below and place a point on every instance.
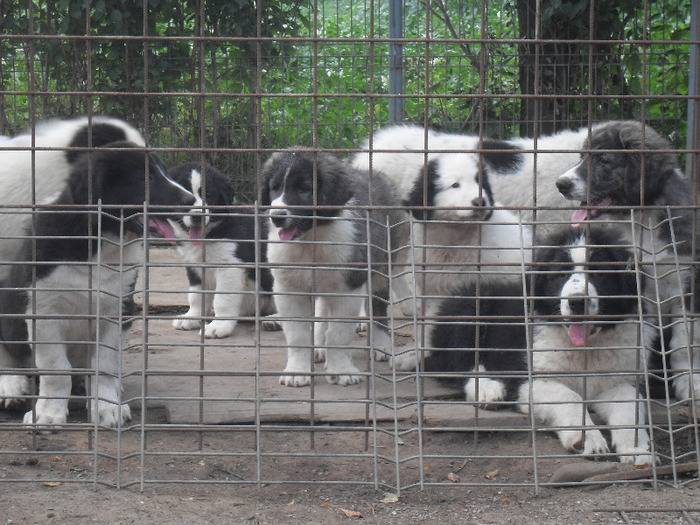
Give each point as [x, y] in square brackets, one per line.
[193, 318]
[339, 338]
[106, 390]
[622, 409]
[686, 385]
[298, 336]
[228, 302]
[13, 388]
[559, 406]
[199, 303]
[52, 406]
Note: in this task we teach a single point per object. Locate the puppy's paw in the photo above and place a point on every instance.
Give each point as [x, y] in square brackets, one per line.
[380, 354]
[592, 443]
[640, 456]
[490, 392]
[185, 323]
[111, 414]
[405, 362]
[219, 329]
[295, 380]
[48, 412]
[344, 379]
[13, 390]
[270, 323]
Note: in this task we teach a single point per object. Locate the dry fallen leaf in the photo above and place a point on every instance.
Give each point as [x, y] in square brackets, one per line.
[505, 500]
[57, 458]
[52, 484]
[463, 465]
[389, 497]
[290, 503]
[325, 505]
[351, 513]
[454, 478]
[492, 474]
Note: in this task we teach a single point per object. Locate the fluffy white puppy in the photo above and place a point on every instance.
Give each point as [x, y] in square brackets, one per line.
[461, 233]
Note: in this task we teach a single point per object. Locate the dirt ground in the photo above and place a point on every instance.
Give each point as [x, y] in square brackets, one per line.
[211, 443]
[194, 474]
[321, 502]
[229, 496]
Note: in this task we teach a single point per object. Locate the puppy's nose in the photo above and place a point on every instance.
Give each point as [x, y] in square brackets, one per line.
[197, 219]
[278, 217]
[564, 185]
[577, 304]
[478, 202]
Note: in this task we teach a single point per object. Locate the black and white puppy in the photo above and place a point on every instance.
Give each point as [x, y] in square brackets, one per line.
[590, 345]
[627, 165]
[225, 263]
[461, 233]
[36, 164]
[322, 250]
[479, 341]
[68, 294]
[521, 171]
[587, 352]
[34, 169]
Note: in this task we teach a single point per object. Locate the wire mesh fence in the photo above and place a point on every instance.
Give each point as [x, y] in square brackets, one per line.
[461, 332]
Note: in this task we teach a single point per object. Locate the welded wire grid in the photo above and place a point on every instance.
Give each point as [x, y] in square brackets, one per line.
[212, 411]
[634, 515]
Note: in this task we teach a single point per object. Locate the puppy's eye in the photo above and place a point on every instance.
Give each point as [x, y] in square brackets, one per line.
[455, 185]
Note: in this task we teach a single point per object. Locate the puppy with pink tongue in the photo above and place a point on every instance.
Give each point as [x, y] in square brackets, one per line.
[337, 229]
[589, 346]
[218, 238]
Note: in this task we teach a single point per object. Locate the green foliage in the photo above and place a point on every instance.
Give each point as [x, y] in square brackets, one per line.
[322, 78]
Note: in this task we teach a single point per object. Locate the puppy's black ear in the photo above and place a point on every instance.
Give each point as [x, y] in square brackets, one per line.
[622, 283]
[649, 172]
[220, 191]
[418, 197]
[659, 174]
[502, 156]
[104, 184]
[625, 137]
[265, 184]
[332, 181]
[541, 287]
[265, 194]
[224, 194]
[633, 177]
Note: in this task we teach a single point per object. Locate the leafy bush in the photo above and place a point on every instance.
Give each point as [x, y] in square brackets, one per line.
[206, 85]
